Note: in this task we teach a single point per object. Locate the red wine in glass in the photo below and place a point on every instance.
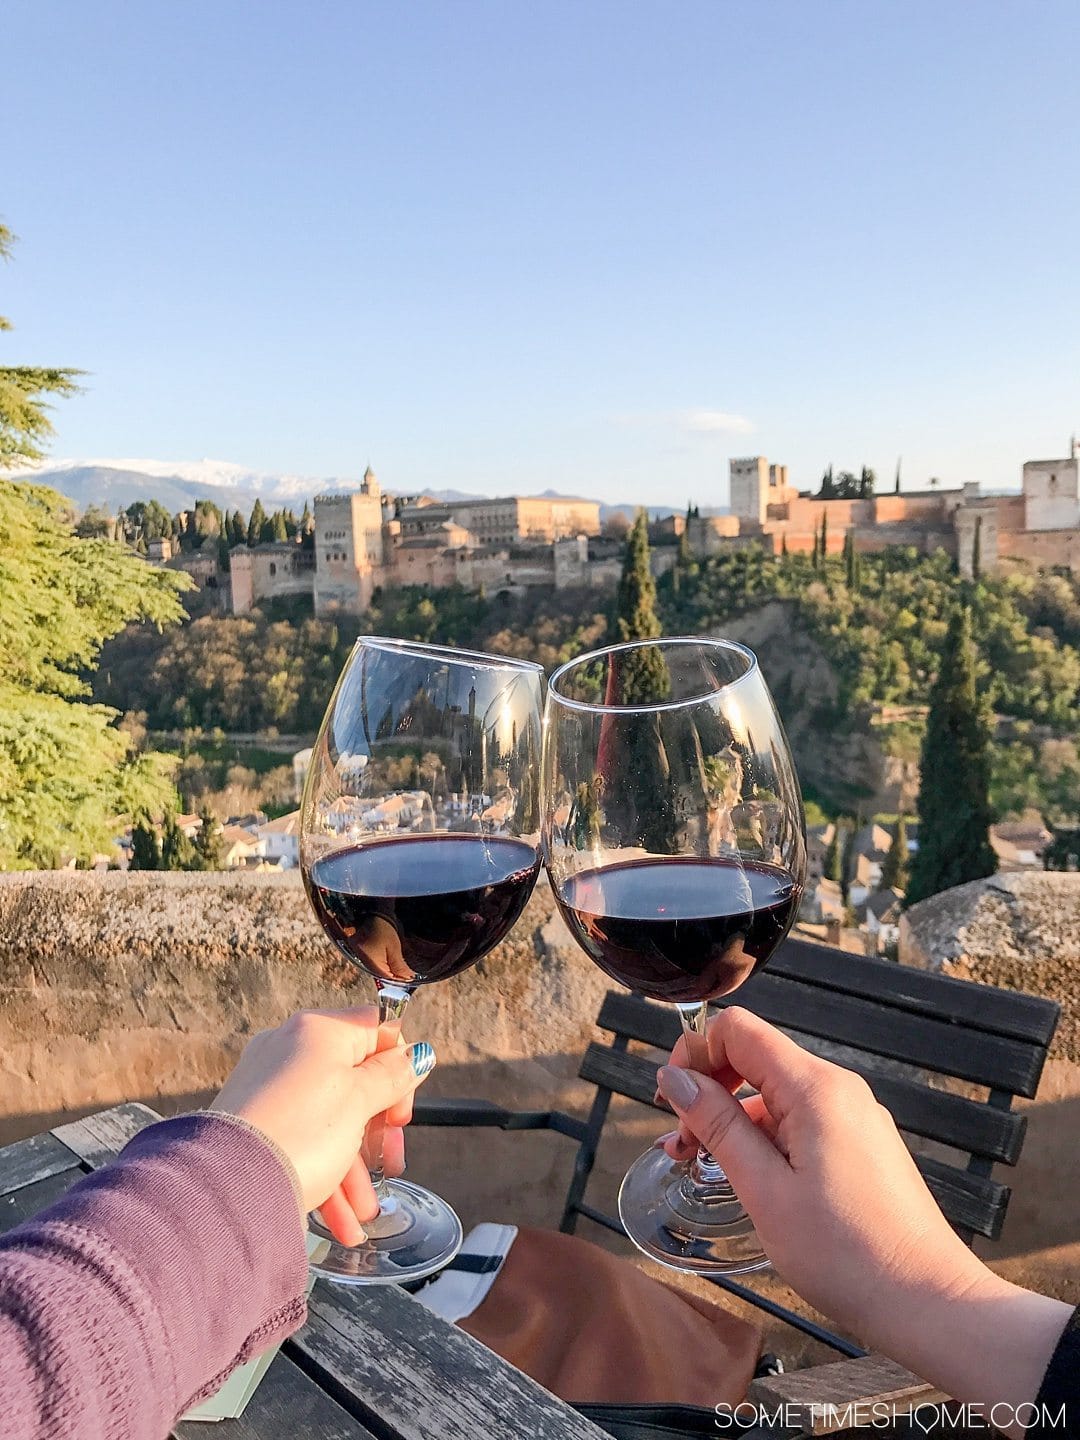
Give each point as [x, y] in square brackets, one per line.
[419, 847]
[674, 837]
[422, 907]
[681, 929]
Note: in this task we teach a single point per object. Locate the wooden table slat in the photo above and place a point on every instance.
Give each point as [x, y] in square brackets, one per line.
[24, 1204]
[96, 1139]
[27, 1161]
[422, 1378]
[287, 1403]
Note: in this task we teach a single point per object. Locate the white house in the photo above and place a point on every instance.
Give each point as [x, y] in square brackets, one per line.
[883, 918]
[280, 840]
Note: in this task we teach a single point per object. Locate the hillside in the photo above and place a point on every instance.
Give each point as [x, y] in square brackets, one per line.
[842, 663]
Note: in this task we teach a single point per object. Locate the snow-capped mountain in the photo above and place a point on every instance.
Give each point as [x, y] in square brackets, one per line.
[177, 484]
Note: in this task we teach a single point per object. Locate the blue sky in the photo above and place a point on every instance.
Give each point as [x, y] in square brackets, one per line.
[597, 246]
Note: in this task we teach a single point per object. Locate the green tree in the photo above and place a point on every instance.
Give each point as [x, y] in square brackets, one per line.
[279, 529]
[896, 486]
[307, 520]
[847, 859]
[95, 524]
[24, 411]
[177, 851]
[208, 843]
[66, 769]
[643, 674]
[256, 524]
[828, 485]
[824, 538]
[851, 561]
[867, 481]
[954, 786]
[638, 749]
[976, 550]
[236, 529]
[833, 861]
[145, 849]
[894, 872]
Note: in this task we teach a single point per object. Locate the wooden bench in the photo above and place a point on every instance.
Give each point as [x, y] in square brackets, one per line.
[907, 1032]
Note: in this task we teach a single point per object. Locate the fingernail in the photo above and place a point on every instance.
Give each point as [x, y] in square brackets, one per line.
[422, 1059]
[662, 1140]
[677, 1085]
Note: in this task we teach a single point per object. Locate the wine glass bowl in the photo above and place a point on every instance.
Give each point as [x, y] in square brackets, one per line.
[419, 849]
[674, 838]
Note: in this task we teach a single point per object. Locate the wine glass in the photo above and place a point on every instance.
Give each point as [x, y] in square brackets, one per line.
[674, 838]
[419, 847]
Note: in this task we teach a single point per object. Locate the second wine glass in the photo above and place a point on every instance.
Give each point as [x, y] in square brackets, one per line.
[674, 838]
[419, 847]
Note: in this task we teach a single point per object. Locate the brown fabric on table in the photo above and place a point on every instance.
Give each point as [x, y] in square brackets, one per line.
[592, 1327]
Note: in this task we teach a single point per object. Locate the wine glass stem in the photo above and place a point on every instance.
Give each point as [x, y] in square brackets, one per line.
[392, 1002]
[705, 1179]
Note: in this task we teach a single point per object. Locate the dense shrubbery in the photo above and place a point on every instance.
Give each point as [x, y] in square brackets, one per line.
[256, 673]
[885, 635]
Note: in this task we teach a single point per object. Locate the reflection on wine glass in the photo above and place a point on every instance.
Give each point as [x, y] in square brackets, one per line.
[419, 848]
[674, 837]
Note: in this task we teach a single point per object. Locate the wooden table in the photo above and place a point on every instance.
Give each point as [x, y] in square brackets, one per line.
[370, 1364]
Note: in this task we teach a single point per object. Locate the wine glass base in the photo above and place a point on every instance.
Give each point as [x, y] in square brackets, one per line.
[413, 1235]
[710, 1237]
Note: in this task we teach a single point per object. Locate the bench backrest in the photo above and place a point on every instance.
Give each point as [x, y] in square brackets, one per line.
[904, 1030]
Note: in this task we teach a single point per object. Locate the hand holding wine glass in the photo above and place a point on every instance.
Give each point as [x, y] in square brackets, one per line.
[674, 839]
[419, 848]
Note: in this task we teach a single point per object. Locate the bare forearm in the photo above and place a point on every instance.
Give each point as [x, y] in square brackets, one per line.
[987, 1344]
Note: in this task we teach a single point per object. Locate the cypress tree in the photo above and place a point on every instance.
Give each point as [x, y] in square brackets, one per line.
[976, 550]
[207, 845]
[894, 872]
[954, 805]
[177, 851]
[237, 528]
[847, 859]
[256, 523]
[306, 520]
[634, 750]
[279, 528]
[849, 561]
[145, 854]
[896, 487]
[644, 675]
[833, 869]
[815, 558]
[783, 546]
[824, 538]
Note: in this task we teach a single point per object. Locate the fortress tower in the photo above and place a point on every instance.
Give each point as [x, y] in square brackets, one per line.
[755, 485]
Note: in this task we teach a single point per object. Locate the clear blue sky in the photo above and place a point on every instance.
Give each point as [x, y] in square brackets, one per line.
[509, 245]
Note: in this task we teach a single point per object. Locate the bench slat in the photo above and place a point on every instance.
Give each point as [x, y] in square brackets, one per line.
[971, 1202]
[964, 1124]
[96, 1139]
[1010, 1013]
[27, 1161]
[24, 1204]
[931, 1044]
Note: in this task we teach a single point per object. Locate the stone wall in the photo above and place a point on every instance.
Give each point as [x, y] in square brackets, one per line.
[146, 986]
[1022, 931]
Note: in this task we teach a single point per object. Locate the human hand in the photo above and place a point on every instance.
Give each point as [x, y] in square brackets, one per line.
[313, 1086]
[837, 1201]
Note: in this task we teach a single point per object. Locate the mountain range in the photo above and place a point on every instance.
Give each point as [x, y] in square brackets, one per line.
[116, 484]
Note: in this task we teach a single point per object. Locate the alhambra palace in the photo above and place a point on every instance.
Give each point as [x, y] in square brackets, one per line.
[367, 540]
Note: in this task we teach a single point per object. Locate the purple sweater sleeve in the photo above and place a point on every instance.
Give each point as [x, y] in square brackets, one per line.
[140, 1290]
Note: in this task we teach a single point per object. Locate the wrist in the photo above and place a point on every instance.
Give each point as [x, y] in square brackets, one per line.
[978, 1337]
[274, 1148]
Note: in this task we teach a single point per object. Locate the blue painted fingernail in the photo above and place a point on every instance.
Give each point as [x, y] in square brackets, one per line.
[422, 1059]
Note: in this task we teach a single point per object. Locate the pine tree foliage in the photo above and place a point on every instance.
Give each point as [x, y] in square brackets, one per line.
[256, 524]
[208, 843]
[66, 771]
[954, 804]
[177, 851]
[145, 847]
[24, 411]
[643, 674]
[833, 870]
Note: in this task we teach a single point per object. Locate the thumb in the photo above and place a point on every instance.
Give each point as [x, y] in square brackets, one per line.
[387, 1077]
[721, 1124]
